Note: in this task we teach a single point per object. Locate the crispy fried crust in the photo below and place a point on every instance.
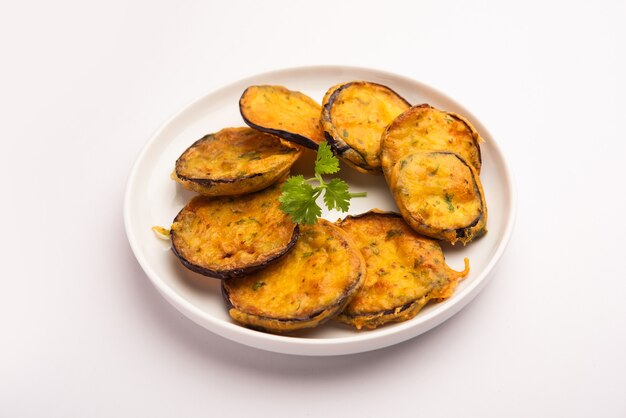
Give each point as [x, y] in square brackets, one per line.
[311, 284]
[288, 114]
[424, 128]
[440, 195]
[226, 237]
[404, 270]
[234, 161]
[354, 115]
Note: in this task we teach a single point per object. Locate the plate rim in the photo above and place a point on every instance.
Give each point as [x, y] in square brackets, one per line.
[361, 342]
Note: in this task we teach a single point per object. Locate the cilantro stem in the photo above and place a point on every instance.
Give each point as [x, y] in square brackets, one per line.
[358, 194]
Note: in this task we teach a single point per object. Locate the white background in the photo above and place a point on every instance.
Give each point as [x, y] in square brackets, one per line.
[84, 85]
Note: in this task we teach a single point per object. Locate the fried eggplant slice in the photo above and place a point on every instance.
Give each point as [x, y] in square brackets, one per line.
[424, 128]
[354, 115]
[310, 285]
[440, 195]
[234, 161]
[404, 270]
[230, 236]
[288, 114]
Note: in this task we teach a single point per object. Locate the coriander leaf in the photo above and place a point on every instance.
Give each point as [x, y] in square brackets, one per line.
[306, 212]
[298, 196]
[336, 195]
[325, 162]
[293, 184]
[298, 200]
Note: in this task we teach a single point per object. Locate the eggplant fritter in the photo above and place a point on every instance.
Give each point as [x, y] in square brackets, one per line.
[230, 236]
[440, 196]
[288, 114]
[354, 115]
[234, 161]
[311, 284]
[424, 128]
[404, 270]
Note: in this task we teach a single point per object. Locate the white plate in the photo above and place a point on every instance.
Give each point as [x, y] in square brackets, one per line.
[152, 198]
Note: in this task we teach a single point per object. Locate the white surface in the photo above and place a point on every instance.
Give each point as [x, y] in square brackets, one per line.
[84, 333]
[152, 198]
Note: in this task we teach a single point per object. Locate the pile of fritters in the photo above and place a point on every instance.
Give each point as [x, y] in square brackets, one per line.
[365, 270]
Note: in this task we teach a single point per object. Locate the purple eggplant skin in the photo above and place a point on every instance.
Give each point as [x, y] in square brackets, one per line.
[287, 136]
[213, 182]
[384, 316]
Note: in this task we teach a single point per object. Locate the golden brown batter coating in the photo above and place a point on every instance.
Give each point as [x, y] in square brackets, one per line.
[288, 114]
[354, 116]
[311, 284]
[229, 236]
[440, 196]
[404, 270]
[424, 128]
[234, 161]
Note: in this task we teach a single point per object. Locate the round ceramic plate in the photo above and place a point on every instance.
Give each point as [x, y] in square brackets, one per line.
[152, 198]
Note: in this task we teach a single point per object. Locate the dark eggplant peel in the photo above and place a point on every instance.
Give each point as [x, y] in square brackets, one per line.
[310, 285]
[404, 270]
[424, 128]
[354, 115]
[440, 196]
[225, 237]
[234, 161]
[288, 114]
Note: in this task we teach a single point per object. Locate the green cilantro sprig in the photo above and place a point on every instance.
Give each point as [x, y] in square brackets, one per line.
[299, 195]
